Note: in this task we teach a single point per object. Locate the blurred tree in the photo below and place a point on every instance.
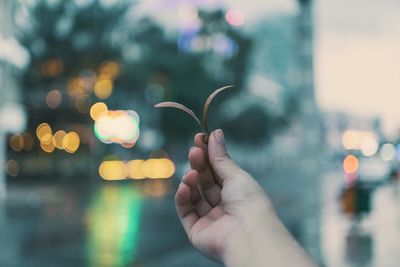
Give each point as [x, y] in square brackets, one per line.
[215, 55]
[79, 36]
[71, 41]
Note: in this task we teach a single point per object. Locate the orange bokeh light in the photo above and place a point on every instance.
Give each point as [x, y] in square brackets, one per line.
[350, 164]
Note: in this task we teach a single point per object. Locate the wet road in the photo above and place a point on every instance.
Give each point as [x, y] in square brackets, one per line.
[110, 225]
[134, 224]
[375, 242]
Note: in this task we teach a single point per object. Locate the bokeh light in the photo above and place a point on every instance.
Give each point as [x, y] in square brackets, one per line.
[47, 147]
[12, 168]
[387, 152]
[365, 141]
[235, 17]
[58, 139]
[28, 141]
[161, 168]
[53, 99]
[71, 142]
[121, 127]
[112, 170]
[97, 110]
[19, 142]
[44, 132]
[103, 88]
[77, 87]
[349, 140]
[350, 164]
[135, 169]
[148, 168]
[109, 69]
[16, 142]
[369, 146]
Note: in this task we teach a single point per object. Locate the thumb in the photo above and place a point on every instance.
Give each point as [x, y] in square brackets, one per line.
[219, 158]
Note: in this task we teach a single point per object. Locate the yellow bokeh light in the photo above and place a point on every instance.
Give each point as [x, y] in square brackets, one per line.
[350, 164]
[43, 131]
[28, 141]
[110, 69]
[58, 139]
[135, 169]
[163, 168]
[71, 142]
[172, 167]
[350, 140]
[76, 87]
[113, 170]
[47, 147]
[103, 88]
[97, 110]
[16, 142]
[148, 168]
[47, 139]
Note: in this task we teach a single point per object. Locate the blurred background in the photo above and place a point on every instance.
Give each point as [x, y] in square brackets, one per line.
[88, 168]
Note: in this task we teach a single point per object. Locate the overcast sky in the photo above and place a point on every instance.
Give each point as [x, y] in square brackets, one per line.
[357, 51]
[358, 58]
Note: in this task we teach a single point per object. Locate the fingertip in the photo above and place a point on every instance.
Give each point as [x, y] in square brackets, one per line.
[197, 159]
[218, 137]
[182, 195]
[199, 141]
[191, 178]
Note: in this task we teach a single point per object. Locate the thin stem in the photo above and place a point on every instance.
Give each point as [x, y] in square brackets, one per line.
[206, 106]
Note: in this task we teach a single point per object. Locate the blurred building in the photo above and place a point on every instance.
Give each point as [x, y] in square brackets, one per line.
[283, 77]
[13, 58]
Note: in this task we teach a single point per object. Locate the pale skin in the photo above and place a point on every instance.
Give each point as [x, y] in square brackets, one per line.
[226, 214]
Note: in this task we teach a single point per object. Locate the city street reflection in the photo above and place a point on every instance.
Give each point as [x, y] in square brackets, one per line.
[113, 220]
[89, 168]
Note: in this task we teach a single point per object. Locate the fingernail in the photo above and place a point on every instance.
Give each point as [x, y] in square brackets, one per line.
[219, 136]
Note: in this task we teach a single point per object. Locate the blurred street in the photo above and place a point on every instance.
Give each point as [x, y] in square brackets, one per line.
[119, 225]
[89, 164]
[374, 242]
[108, 225]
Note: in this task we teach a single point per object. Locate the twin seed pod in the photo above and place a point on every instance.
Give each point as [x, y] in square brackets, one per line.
[204, 126]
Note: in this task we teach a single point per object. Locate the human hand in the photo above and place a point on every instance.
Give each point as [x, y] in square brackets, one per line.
[227, 215]
[217, 201]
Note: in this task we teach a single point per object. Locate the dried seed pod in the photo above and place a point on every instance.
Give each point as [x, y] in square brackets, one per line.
[181, 107]
[205, 111]
[204, 126]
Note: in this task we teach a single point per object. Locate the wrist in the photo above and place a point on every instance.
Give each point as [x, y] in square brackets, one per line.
[264, 242]
[246, 246]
